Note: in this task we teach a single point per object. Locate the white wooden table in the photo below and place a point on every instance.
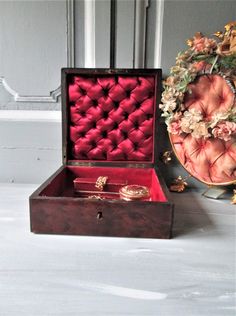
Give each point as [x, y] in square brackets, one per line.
[191, 275]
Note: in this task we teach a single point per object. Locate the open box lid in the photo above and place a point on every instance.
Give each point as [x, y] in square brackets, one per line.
[110, 116]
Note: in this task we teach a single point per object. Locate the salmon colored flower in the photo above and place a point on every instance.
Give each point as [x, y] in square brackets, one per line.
[201, 66]
[174, 128]
[224, 130]
[203, 44]
[170, 81]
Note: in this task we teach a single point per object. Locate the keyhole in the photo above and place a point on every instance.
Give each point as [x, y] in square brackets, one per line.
[99, 215]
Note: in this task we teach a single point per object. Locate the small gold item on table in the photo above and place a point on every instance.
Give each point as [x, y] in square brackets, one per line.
[233, 200]
[101, 182]
[178, 185]
[166, 157]
[134, 192]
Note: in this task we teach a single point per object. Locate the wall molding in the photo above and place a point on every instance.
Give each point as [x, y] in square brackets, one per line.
[30, 116]
[140, 18]
[55, 94]
[159, 31]
[89, 33]
[52, 98]
[70, 8]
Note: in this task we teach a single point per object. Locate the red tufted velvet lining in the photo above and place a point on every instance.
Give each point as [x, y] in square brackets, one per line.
[212, 160]
[111, 117]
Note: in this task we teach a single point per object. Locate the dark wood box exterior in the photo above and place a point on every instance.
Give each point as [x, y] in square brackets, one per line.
[54, 209]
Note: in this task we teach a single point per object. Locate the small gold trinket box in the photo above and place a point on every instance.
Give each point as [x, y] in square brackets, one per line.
[134, 192]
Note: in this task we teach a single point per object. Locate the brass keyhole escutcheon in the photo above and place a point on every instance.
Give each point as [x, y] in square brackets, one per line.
[99, 215]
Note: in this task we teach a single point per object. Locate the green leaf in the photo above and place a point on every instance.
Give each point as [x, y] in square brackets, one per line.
[210, 60]
[228, 62]
[200, 57]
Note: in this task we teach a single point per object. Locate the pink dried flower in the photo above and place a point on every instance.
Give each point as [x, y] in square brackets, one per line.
[203, 44]
[170, 81]
[201, 66]
[224, 130]
[175, 128]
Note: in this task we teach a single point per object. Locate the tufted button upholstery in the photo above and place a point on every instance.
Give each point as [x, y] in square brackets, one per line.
[209, 94]
[111, 117]
[210, 160]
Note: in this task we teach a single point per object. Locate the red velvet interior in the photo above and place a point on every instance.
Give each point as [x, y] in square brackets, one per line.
[89, 184]
[111, 117]
[62, 185]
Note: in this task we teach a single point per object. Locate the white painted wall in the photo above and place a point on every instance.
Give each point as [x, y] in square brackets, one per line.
[33, 45]
[30, 145]
[36, 40]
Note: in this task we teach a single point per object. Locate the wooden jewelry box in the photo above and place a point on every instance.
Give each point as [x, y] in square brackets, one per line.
[110, 129]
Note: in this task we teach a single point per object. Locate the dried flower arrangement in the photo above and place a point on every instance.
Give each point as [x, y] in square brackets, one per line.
[204, 56]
